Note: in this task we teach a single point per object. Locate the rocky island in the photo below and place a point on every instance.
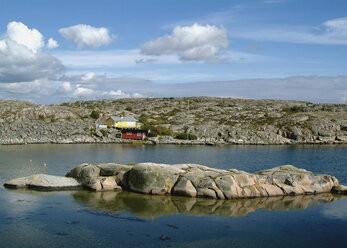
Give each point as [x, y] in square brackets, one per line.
[187, 120]
[191, 180]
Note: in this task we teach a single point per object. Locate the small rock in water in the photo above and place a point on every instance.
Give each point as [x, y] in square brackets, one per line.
[172, 226]
[73, 222]
[62, 233]
[340, 189]
[164, 237]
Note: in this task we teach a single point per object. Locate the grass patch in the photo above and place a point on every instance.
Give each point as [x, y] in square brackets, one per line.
[186, 136]
[173, 112]
[293, 109]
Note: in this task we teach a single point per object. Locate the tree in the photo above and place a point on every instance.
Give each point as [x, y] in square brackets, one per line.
[95, 114]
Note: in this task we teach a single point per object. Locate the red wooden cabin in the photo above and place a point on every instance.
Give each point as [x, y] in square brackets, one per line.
[132, 133]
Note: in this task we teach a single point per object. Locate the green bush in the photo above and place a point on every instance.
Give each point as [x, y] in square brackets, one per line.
[186, 136]
[118, 135]
[156, 130]
[95, 114]
[53, 119]
[153, 127]
[92, 131]
[143, 119]
[164, 131]
[153, 133]
[129, 108]
[293, 109]
[173, 112]
[41, 117]
[104, 132]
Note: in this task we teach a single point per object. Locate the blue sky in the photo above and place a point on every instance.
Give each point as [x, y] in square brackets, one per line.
[115, 49]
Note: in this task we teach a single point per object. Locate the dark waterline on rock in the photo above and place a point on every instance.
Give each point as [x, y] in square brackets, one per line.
[108, 219]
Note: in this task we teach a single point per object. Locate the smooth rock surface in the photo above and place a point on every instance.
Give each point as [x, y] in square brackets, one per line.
[192, 180]
[184, 187]
[150, 178]
[44, 182]
[341, 189]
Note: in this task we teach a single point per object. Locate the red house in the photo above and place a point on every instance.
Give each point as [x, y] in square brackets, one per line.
[133, 133]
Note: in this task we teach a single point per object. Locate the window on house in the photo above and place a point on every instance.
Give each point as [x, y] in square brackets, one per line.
[129, 133]
[139, 134]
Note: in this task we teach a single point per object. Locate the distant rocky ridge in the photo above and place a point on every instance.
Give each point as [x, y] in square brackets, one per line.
[210, 120]
[191, 180]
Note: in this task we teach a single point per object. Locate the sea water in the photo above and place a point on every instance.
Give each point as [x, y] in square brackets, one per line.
[122, 219]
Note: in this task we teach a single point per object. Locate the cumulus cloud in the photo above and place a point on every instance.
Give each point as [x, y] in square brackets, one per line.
[66, 87]
[22, 35]
[86, 35]
[51, 44]
[84, 92]
[115, 93]
[21, 58]
[88, 76]
[196, 42]
[93, 86]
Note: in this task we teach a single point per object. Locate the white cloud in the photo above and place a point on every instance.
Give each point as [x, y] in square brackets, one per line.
[331, 32]
[314, 89]
[52, 43]
[21, 59]
[84, 92]
[115, 93]
[86, 35]
[66, 87]
[137, 95]
[30, 90]
[337, 29]
[194, 42]
[21, 34]
[88, 76]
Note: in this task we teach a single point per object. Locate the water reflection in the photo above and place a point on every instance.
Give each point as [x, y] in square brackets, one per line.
[336, 211]
[152, 206]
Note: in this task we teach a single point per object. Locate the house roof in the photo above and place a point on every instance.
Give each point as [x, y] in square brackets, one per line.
[134, 129]
[121, 118]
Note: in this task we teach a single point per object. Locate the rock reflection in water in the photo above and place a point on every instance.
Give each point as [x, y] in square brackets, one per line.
[152, 206]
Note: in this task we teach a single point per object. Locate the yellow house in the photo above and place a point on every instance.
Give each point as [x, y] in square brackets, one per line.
[121, 122]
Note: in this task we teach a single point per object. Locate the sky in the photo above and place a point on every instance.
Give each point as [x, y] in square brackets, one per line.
[58, 51]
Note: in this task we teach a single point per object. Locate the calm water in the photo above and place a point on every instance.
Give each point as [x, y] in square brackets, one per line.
[110, 219]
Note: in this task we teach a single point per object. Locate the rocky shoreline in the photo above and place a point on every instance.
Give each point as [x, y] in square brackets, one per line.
[204, 120]
[190, 180]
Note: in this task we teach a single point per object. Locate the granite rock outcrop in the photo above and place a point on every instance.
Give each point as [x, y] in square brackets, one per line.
[191, 180]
